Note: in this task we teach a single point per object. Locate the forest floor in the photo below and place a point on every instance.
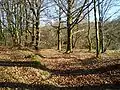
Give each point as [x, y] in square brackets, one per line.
[25, 67]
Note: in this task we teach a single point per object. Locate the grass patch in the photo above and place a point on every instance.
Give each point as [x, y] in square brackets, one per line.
[113, 53]
[35, 57]
[37, 63]
[45, 75]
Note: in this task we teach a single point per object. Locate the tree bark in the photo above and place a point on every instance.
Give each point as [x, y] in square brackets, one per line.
[96, 30]
[26, 29]
[59, 40]
[69, 30]
[89, 38]
[33, 36]
[100, 23]
[37, 32]
[59, 31]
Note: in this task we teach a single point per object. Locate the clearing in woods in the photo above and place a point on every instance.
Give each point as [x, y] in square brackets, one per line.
[48, 67]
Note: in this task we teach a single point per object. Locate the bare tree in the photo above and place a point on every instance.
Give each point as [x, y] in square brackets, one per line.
[36, 9]
[2, 36]
[96, 30]
[73, 16]
[103, 10]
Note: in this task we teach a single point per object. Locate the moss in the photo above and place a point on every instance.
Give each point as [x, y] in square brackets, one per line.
[35, 57]
[45, 73]
[37, 63]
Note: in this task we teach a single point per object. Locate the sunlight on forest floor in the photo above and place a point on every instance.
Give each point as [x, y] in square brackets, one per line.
[59, 69]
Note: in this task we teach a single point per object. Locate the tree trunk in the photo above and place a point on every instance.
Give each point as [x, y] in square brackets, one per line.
[100, 26]
[101, 37]
[69, 38]
[96, 30]
[20, 21]
[59, 31]
[69, 30]
[59, 40]
[89, 38]
[26, 28]
[37, 33]
[1, 28]
[102, 42]
[73, 42]
[33, 37]
[20, 32]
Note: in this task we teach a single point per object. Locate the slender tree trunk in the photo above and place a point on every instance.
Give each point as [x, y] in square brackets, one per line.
[69, 38]
[100, 26]
[37, 31]
[102, 42]
[20, 25]
[26, 33]
[107, 45]
[101, 36]
[75, 37]
[73, 41]
[59, 31]
[26, 28]
[20, 33]
[59, 40]
[14, 39]
[37, 35]
[89, 38]
[33, 25]
[69, 30]
[96, 30]
[33, 37]
[2, 33]
[10, 26]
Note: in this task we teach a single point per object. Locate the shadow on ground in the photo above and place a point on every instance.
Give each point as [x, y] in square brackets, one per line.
[87, 71]
[91, 62]
[33, 64]
[37, 65]
[22, 86]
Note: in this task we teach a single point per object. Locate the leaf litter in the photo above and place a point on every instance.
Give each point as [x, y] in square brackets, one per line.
[58, 62]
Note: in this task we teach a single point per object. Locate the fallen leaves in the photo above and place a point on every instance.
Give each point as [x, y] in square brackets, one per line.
[75, 62]
[26, 75]
[75, 69]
